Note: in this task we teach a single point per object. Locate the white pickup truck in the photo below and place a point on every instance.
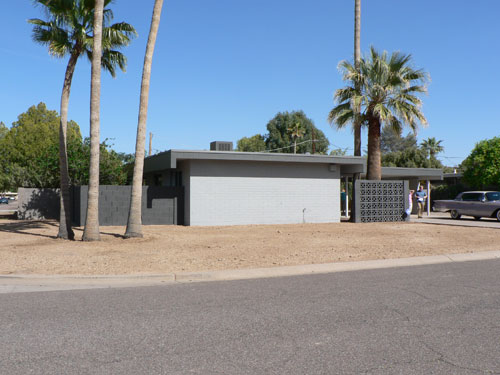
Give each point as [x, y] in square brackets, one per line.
[472, 203]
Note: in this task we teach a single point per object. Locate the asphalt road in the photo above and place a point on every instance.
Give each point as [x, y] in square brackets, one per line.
[439, 319]
[11, 206]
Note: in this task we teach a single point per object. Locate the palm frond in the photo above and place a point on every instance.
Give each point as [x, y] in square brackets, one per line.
[111, 59]
[48, 33]
[117, 35]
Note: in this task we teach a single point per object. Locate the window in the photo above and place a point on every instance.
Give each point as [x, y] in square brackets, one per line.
[493, 196]
[175, 178]
[472, 197]
[157, 179]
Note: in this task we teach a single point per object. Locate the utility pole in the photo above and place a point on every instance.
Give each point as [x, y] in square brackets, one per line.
[150, 143]
[313, 142]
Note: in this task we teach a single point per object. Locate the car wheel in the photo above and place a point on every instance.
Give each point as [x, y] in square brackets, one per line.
[498, 215]
[477, 217]
[455, 215]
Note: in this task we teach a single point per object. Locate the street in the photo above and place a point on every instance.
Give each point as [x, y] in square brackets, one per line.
[436, 319]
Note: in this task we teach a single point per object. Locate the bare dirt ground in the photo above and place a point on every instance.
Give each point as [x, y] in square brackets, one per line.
[30, 247]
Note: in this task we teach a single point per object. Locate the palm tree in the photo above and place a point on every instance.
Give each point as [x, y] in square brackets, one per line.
[432, 146]
[357, 58]
[296, 131]
[134, 223]
[91, 231]
[69, 32]
[385, 88]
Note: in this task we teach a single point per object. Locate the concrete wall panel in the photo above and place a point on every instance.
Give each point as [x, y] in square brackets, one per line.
[235, 193]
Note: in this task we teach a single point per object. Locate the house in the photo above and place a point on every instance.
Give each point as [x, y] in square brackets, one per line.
[234, 188]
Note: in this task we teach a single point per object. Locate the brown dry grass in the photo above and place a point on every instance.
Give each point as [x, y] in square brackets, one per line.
[31, 247]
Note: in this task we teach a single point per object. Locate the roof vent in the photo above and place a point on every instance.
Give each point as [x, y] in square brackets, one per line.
[221, 146]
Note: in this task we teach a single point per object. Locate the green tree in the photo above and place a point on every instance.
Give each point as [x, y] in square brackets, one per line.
[69, 32]
[134, 223]
[26, 150]
[412, 157]
[392, 141]
[3, 130]
[385, 89]
[278, 138]
[432, 146]
[29, 154]
[481, 169]
[251, 144]
[338, 152]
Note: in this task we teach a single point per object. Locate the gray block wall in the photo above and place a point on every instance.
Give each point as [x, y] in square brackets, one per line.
[159, 205]
[38, 204]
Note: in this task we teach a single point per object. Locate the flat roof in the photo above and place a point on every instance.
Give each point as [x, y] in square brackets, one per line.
[348, 164]
[168, 159]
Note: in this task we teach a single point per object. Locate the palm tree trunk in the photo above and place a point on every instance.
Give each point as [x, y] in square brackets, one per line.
[357, 57]
[374, 170]
[295, 146]
[134, 224]
[65, 230]
[91, 231]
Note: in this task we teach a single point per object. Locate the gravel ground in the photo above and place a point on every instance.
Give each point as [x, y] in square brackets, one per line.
[30, 247]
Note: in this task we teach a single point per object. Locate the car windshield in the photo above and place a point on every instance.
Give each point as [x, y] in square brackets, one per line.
[493, 196]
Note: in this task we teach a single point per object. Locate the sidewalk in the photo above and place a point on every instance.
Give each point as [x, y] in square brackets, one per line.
[37, 283]
[443, 218]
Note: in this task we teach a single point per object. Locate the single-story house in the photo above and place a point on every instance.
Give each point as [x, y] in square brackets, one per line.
[234, 188]
[231, 188]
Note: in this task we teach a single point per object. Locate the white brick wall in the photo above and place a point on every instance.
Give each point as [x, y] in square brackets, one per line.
[232, 193]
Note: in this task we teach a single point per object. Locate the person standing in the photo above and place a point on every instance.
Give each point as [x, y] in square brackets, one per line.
[421, 196]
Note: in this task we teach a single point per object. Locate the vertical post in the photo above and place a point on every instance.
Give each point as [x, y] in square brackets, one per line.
[428, 198]
[313, 142]
[150, 143]
[346, 196]
[355, 181]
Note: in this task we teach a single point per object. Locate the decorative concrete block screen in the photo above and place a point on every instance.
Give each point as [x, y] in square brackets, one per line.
[380, 201]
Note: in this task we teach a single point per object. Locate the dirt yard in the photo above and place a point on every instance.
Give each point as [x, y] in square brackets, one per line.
[31, 247]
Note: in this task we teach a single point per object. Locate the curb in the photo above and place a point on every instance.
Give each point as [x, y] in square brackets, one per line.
[24, 282]
[323, 268]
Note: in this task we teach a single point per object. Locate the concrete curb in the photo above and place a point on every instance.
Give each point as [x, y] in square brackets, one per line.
[32, 283]
[332, 267]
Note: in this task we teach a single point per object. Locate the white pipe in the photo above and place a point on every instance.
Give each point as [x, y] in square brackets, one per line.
[346, 196]
[428, 198]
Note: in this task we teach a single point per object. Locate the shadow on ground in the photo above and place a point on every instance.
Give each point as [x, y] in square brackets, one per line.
[23, 227]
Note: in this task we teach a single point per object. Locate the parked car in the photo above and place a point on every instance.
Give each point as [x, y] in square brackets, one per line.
[4, 200]
[477, 204]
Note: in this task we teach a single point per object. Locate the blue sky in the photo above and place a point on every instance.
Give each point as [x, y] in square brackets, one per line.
[222, 69]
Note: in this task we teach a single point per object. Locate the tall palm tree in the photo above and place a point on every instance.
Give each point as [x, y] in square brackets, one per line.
[296, 131]
[134, 223]
[432, 146]
[91, 231]
[69, 32]
[357, 58]
[385, 88]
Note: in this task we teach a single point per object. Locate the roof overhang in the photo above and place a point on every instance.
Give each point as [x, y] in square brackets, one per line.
[169, 159]
[396, 173]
